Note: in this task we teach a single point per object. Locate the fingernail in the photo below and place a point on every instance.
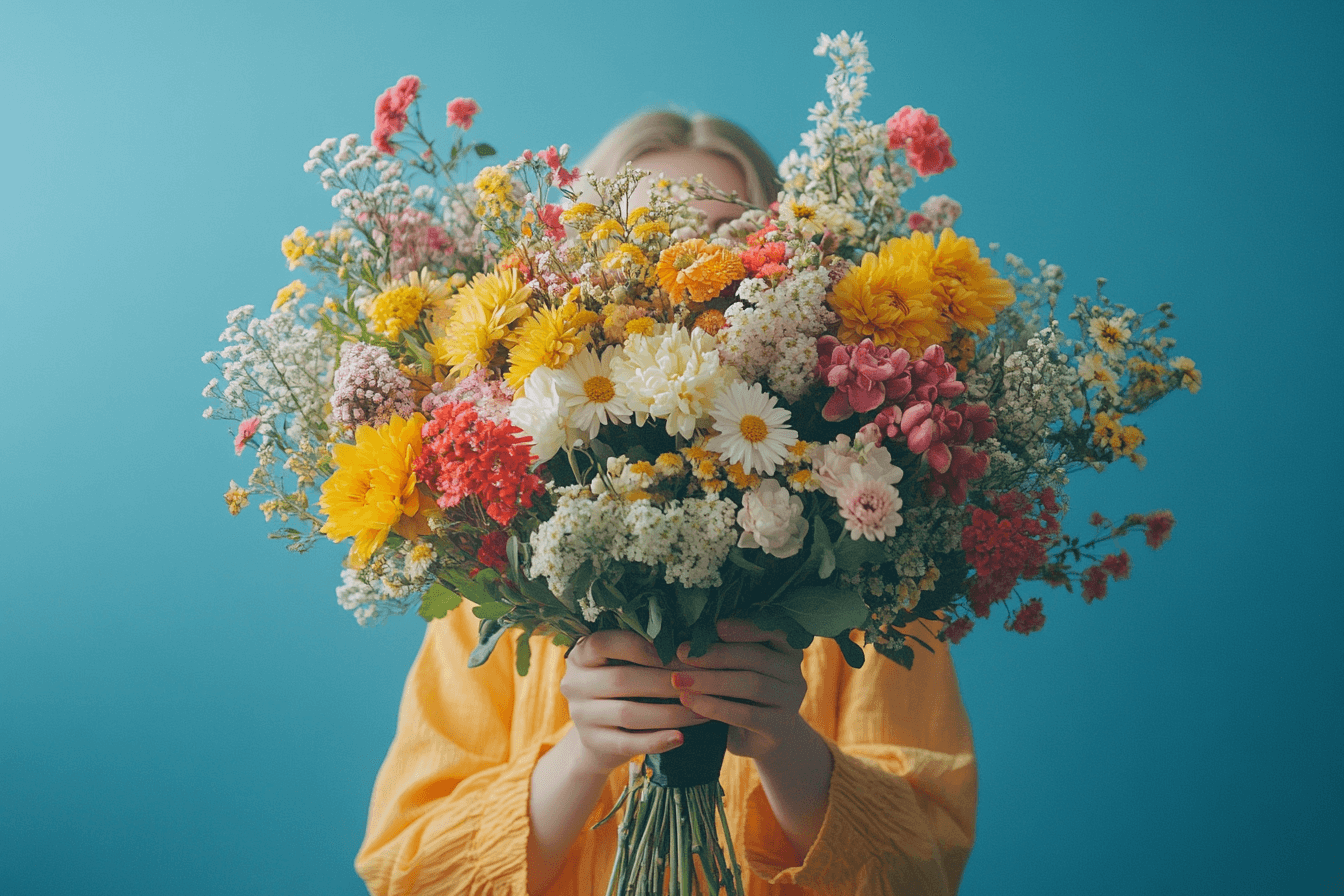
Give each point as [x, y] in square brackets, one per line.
[684, 651]
[677, 739]
[681, 680]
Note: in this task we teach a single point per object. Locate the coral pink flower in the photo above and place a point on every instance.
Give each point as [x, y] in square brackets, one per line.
[554, 159]
[466, 455]
[550, 219]
[865, 376]
[923, 225]
[927, 147]
[932, 377]
[1028, 619]
[246, 430]
[754, 258]
[389, 113]
[1159, 524]
[461, 111]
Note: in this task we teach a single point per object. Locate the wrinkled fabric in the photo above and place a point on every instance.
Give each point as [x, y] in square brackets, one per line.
[449, 813]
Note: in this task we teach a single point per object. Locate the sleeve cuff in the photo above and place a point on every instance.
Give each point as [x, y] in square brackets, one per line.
[500, 843]
[873, 838]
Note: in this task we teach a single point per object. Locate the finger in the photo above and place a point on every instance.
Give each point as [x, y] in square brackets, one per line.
[740, 715]
[600, 648]
[616, 742]
[736, 685]
[738, 630]
[749, 657]
[616, 682]
[633, 716]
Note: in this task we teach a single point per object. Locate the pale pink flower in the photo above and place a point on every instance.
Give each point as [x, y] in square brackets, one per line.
[246, 430]
[870, 509]
[927, 146]
[838, 464]
[772, 520]
[461, 111]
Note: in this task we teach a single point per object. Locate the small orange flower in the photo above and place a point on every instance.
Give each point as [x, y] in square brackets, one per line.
[711, 321]
[697, 271]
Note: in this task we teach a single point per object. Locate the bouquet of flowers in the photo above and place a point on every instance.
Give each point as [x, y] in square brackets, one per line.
[834, 416]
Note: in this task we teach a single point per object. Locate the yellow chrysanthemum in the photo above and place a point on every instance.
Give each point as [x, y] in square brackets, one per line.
[623, 255]
[297, 245]
[697, 271]
[549, 338]
[606, 230]
[494, 189]
[577, 212]
[397, 309]
[486, 309]
[373, 487]
[711, 321]
[889, 298]
[295, 290]
[967, 287]
[640, 326]
[647, 230]
[636, 215]
[669, 463]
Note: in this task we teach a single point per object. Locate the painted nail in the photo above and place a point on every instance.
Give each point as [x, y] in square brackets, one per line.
[681, 680]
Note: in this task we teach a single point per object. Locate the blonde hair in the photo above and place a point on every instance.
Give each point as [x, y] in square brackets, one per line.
[662, 130]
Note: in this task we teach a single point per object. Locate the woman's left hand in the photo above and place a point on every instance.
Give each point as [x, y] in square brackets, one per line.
[751, 679]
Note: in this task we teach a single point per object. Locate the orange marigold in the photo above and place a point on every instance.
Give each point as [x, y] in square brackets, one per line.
[697, 271]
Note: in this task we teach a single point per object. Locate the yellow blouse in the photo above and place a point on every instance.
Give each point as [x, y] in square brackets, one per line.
[449, 813]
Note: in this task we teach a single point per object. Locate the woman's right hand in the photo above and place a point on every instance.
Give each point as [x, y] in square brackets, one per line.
[603, 674]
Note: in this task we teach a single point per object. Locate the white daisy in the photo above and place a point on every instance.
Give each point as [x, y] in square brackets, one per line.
[587, 388]
[751, 428]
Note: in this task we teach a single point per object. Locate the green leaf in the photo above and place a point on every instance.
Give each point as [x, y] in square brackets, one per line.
[738, 558]
[490, 610]
[523, 659]
[601, 450]
[491, 631]
[470, 588]
[703, 634]
[826, 611]
[774, 619]
[910, 637]
[655, 618]
[666, 645]
[484, 149]
[692, 602]
[853, 652]
[851, 554]
[437, 602]
[580, 583]
[512, 550]
[823, 553]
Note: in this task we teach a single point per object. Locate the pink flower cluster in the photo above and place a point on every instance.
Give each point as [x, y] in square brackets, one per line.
[461, 111]
[417, 242]
[368, 388]
[389, 113]
[936, 213]
[912, 398]
[554, 160]
[927, 146]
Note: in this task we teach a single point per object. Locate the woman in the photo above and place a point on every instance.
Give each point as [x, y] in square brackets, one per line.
[838, 781]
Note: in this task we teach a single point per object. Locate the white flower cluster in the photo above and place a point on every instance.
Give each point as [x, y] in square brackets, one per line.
[689, 539]
[844, 181]
[772, 332]
[389, 585]
[278, 368]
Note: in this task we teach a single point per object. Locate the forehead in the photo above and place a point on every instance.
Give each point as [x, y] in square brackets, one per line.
[718, 170]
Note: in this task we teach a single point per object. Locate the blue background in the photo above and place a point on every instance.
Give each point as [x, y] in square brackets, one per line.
[185, 708]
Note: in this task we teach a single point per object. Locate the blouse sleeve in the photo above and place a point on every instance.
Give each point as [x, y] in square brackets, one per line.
[900, 817]
[449, 812]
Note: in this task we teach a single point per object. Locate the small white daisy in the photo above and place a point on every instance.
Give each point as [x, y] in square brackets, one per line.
[587, 388]
[751, 428]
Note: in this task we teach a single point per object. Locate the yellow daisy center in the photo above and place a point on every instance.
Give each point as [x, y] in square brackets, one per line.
[753, 428]
[599, 389]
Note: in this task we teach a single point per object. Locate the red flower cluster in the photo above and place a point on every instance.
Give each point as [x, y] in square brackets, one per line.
[389, 113]
[957, 629]
[765, 259]
[1114, 566]
[492, 551]
[1008, 543]
[466, 455]
[1159, 524]
[927, 147]
[1029, 618]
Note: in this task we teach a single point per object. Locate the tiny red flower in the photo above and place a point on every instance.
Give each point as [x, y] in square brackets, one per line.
[1028, 619]
[1159, 524]
[1117, 565]
[461, 111]
[1094, 583]
[957, 629]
